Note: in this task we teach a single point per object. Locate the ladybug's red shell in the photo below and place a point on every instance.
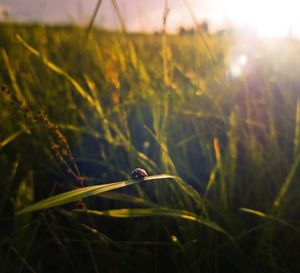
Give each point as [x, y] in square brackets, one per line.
[138, 173]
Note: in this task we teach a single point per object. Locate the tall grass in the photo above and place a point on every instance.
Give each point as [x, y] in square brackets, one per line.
[76, 118]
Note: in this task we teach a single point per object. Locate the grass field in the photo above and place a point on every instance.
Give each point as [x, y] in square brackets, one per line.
[220, 114]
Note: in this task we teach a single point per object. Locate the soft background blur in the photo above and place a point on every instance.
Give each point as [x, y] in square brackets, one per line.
[139, 15]
[268, 18]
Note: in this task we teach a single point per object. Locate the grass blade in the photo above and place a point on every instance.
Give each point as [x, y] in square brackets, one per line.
[287, 182]
[85, 192]
[57, 70]
[223, 190]
[150, 212]
[270, 217]
[10, 138]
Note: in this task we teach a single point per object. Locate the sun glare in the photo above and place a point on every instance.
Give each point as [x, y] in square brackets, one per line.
[269, 18]
[237, 65]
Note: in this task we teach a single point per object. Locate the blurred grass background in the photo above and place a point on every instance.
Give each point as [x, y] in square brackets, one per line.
[97, 108]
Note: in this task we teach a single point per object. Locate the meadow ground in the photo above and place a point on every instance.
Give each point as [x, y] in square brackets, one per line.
[220, 113]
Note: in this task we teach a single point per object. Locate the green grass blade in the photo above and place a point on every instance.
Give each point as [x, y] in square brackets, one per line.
[212, 179]
[57, 70]
[92, 21]
[85, 192]
[270, 217]
[297, 129]
[286, 184]
[150, 212]
[255, 212]
[10, 138]
[12, 75]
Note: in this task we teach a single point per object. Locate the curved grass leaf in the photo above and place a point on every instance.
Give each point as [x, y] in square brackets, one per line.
[150, 212]
[270, 217]
[127, 198]
[57, 70]
[287, 182]
[85, 192]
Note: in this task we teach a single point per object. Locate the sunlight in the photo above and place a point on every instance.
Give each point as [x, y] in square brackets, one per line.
[237, 65]
[269, 18]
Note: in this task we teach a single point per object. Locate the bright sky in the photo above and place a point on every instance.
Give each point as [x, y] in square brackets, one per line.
[267, 17]
[138, 14]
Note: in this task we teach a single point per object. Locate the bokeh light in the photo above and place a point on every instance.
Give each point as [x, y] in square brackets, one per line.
[238, 65]
[269, 18]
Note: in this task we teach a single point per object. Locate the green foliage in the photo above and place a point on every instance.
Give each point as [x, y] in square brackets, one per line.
[81, 193]
[74, 117]
[132, 213]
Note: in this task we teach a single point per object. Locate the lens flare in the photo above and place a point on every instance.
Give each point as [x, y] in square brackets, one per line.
[237, 65]
[269, 18]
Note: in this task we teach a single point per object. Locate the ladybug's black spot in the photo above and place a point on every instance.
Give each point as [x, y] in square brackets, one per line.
[138, 173]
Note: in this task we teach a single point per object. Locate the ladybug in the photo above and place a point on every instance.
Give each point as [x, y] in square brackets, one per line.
[138, 173]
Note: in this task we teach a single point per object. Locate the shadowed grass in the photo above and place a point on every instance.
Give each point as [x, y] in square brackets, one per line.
[270, 217]
[150, 212]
